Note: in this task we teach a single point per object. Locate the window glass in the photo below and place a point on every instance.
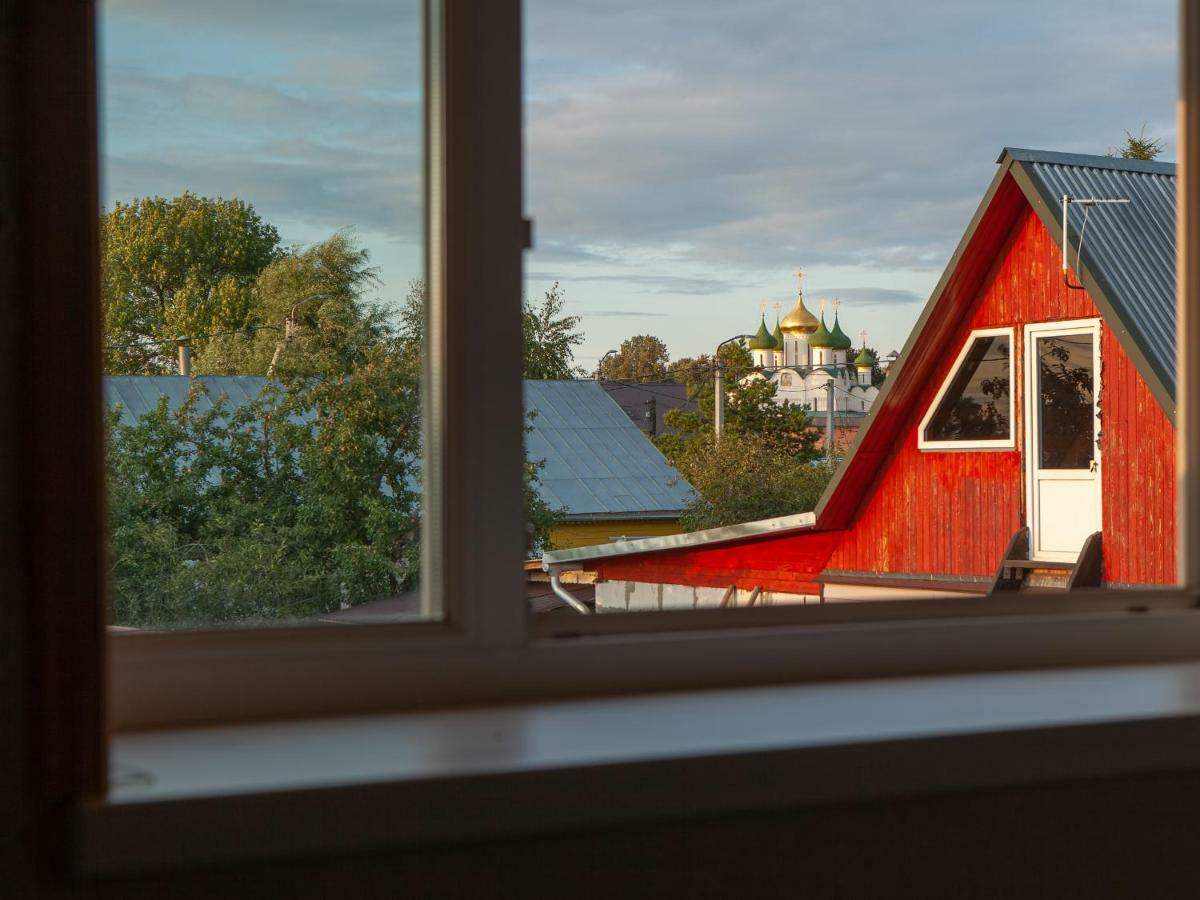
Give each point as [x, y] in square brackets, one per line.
[1066, 412]
[975, 406]
[262, 264]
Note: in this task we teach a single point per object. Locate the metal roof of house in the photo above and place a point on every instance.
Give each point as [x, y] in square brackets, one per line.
[636, 398]
[598, 465]
[139, 394]
[1128, 249]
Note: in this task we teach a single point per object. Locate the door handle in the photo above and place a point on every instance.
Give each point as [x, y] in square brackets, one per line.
[1092, 466]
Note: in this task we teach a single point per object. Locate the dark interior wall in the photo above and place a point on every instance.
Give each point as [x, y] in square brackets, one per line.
[1118, 838]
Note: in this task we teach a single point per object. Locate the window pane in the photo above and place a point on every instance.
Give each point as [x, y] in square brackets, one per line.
[975, 406]
[1066, 413]
[262, 253]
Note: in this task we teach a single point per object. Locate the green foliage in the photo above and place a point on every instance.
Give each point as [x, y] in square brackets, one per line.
[185, 266]
[642, 357]
[284, 508]
[322, 289]
[765, 463]
[1140, 147]
[550, 338]
[305, 500]
[745, 477]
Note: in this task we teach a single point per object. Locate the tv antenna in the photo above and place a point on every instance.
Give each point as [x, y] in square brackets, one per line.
[1087, 203]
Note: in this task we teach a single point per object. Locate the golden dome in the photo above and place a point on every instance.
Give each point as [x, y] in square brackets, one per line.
[799, 320]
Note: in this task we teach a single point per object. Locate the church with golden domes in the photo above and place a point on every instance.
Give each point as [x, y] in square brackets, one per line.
[803, 356]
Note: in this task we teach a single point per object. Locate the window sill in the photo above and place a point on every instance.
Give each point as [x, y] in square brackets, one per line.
[205, 795]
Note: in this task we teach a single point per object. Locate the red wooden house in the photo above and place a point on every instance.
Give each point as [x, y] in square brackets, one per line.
[1030, 420]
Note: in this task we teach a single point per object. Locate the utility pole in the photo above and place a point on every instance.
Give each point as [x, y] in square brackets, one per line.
[652, 416]
[829, 420]
[719, 384]
[718, 398]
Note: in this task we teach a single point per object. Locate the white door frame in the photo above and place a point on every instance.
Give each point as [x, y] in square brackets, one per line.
[1034, 331]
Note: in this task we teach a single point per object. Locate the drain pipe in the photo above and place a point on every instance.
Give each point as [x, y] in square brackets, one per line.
[563, 594]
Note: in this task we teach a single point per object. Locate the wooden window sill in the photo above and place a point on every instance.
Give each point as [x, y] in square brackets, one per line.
[204, 795]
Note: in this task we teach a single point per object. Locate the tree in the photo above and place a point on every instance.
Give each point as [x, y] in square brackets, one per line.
[745, 477]
[550, 338]
[766, 462]
[1140, 146]
[177, 267]
[321, 289]
[306, 499]
[642, 357]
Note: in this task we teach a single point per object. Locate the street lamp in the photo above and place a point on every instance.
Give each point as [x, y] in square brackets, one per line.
[719, 384]
[601, 363]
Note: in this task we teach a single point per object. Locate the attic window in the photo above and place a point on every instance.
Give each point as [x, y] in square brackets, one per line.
[974, 407]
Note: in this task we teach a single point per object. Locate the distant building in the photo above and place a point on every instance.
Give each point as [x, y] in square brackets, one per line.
[809, 362]
[647, 404]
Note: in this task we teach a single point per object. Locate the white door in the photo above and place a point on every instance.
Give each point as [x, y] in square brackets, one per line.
[1062, 451]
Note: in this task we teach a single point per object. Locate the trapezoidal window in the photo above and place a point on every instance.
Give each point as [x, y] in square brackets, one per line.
[974, 407]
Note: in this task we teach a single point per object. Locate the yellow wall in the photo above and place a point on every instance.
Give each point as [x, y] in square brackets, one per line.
[586, 534]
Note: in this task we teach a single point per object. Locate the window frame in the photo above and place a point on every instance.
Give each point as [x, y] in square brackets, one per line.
[1009, 443]
[486, 648]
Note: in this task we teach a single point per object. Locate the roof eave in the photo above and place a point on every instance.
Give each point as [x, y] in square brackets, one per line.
[1049, 210]
[577, 556]
[896, 370]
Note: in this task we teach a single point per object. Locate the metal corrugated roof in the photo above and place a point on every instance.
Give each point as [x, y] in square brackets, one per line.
[139, 394]
[598, 465]
[1128, 248]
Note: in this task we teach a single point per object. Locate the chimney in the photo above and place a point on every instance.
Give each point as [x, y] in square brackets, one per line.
[185, 356]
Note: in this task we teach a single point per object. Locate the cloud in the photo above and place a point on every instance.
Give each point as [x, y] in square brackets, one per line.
[681, 147]
[771, 134]
[619, 313]
[872, 296]
[661, 284]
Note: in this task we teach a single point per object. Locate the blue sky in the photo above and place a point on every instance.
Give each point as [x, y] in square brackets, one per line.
[683, 157]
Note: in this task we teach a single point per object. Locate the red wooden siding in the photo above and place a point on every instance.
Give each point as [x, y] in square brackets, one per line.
[899, 510]
[784, 563]
[1137, 447]
[954, 513]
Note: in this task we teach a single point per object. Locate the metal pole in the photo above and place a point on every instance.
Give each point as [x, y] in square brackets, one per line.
[185, 356]
[719, 384]
[718, 398]
[829, 421]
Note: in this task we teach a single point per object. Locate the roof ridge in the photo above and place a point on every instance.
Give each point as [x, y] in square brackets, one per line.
[1054, 157]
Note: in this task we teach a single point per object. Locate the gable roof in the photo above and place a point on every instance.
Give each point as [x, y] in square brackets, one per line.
[1127, 266]
[598, 464]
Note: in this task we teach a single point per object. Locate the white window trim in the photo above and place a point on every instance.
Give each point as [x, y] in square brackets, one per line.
[1008, 443]
[1031, 332]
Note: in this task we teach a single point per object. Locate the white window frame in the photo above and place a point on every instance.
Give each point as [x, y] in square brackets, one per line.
[486, 648]
[1008, 443]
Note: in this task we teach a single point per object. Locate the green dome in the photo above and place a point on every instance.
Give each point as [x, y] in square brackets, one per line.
[778, 335]
[762, 339]
[838, 338]
[865, 359]
[821, 337]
